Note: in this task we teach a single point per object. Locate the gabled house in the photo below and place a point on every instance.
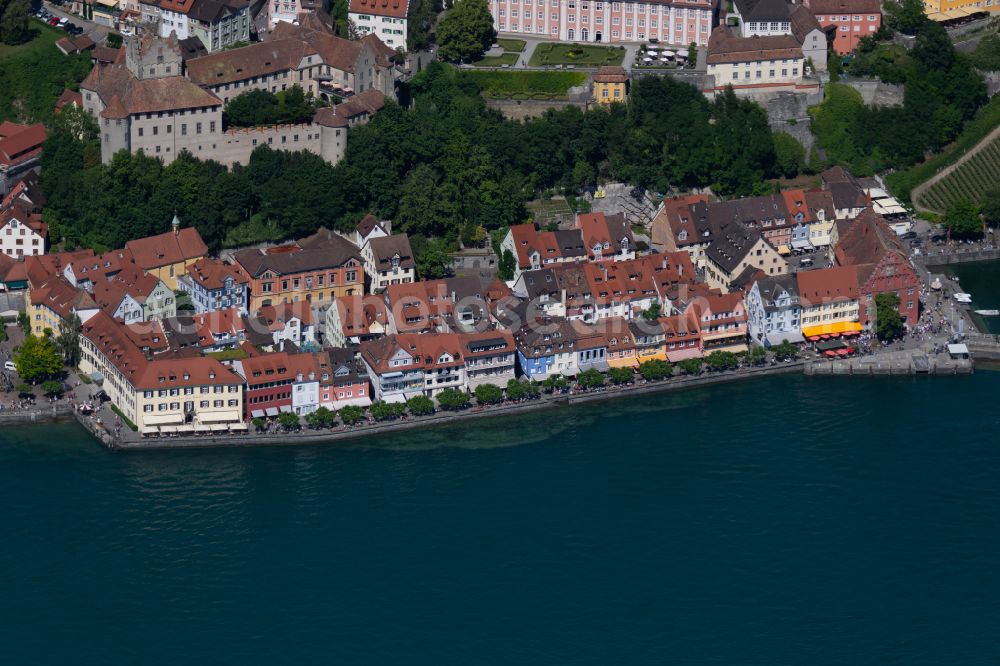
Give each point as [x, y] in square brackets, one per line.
[368, 227]
[722, 319]
[449, 304]
[193, 392]
[86, 271]
[214, 285]
[733, 249]
[22, 233]
[682, 336]
[676, 227]
[849, 198]
[20, 152]
[167, 255]
[351, 320]
[773, 311]
[552, 346]
[606, 237]
[343, 379]
[315, 270]
[135, 296]
[408, 364]
[829, 301]
[271, 380]
[292, 322]
[55, 301]
[490, 358]
[388, 260]
[533, 249]
[871, 247]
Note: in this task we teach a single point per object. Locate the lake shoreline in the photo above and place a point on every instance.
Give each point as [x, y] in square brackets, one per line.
[445, 418]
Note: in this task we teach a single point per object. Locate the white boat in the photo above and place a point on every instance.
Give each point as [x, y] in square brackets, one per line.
[987, 313]
[963, 298]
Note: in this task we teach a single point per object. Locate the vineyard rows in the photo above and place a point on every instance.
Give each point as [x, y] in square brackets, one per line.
[971, 181]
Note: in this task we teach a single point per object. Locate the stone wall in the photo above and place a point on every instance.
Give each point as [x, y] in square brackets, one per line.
[877, 93]
[789, 113]
[522, 109]
[235, 145]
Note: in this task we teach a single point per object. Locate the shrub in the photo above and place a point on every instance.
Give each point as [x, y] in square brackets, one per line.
[488, 394]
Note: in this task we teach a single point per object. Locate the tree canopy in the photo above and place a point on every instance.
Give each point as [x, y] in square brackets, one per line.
[942, 91]
[466, 31]
[962, 219]
[261, 107]
[37, 359]
[889, 323]
[14, 25]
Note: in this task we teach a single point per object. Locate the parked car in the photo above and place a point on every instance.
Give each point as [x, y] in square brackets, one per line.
[9, 365]
[77, 30]
[52, 21]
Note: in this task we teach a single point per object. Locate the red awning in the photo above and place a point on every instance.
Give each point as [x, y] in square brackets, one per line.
[813, 338]
[829, 352]
[825, 336]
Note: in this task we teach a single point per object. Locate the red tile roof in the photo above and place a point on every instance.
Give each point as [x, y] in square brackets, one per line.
[167, 248]
[827, 285]
[19, 143]
[211, 273]
[394, 8]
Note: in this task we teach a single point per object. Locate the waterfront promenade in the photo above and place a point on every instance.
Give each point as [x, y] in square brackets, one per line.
[891, 361]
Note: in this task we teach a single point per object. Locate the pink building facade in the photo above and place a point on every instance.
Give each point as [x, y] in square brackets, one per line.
[678, 22]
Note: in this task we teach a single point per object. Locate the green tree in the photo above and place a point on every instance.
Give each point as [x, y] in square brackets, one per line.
[432, 257]
[466, 31]
[786, 350]
[621, 375]
[554, 384]
[906, 16]
[590, 379]
[321, 417]
[516, 390]
[991, 207]
[962, 219]
[386, 411]
[14, 26]
[488, 394]
[691, 366]
[889, 324]
[24, 322]
[351, 414]
[420, 405]
[52, 387]
[655, 370]
[68, 341]
[757, 356]
[506, 266]
[652, 313]
[259, 424]
[453, 399]
[722, 360]
[37, 359]
[24, 389]
[790, 156]
[288, 420]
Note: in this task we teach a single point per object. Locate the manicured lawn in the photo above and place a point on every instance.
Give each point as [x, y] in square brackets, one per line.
[44, 35]
[525, 84]
[511, 45]
[33, 75]
[497, 61]
[584, 55]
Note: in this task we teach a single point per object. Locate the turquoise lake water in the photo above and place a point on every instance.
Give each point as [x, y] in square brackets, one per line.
[982, 280]
[787, 520]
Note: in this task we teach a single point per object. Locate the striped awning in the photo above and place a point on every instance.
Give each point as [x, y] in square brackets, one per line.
[833, 328]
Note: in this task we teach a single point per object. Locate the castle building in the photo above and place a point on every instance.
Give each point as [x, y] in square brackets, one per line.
[145, 100]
